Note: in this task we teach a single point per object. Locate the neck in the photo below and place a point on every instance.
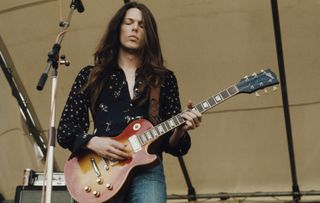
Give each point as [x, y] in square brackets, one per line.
[128, 60]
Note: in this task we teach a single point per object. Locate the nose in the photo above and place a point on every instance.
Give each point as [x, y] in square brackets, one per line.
[135, 26]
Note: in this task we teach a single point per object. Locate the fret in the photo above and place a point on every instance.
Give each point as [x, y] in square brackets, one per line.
[143, 138]
[205, 105]
[167, 125]
[199, 107]
[160, 128]
[224, 94]
[218, 98]
[180, 119]
[176, 122]
[155, 132]
[232, 90]
[211, 101]
[149, 135]
[171, 123]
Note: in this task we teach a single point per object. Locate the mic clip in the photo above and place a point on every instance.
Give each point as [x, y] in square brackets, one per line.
[64, 61]
[64, 24]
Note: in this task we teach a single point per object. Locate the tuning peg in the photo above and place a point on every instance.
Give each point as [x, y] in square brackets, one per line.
[254, 74]
[246, 78]
[266, 91]
[262, 70]
[274, 88]
[257, 94]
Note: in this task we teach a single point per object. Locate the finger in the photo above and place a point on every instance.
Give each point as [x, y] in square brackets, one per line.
[114, 155]
[197, 114]
[188, 119]
[189, 105]
[120, 153]
[118, 145]
[189, 125]
[187, 116]
[193, 116]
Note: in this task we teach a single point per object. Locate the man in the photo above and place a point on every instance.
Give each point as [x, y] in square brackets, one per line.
[128, 68]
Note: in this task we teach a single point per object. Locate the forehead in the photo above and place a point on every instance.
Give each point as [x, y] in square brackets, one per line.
[134, 13]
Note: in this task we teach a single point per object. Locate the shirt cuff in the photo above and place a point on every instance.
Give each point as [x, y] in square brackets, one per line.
[182, 147]
[80, 142]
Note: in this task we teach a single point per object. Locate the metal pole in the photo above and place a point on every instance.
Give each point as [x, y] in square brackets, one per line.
[277, 32]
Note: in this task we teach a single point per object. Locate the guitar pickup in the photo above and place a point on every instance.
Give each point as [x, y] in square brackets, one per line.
[134, 142]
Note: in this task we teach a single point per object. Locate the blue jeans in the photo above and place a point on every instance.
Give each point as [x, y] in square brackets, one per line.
[146, 186]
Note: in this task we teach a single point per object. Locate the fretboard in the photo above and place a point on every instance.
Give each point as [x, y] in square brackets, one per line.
[177, 120]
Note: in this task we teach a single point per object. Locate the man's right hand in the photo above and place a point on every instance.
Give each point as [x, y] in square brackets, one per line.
[108, 148]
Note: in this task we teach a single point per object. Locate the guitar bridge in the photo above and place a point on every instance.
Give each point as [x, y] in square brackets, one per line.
[95, 167]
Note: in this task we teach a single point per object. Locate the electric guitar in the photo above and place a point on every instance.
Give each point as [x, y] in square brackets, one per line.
[92, 179]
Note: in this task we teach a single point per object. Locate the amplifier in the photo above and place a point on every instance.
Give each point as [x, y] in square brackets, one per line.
[32, 178]
[32, 194]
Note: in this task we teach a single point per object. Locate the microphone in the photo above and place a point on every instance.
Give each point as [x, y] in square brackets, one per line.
[78, 5]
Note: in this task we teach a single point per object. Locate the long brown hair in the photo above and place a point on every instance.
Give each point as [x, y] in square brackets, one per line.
[106, 54]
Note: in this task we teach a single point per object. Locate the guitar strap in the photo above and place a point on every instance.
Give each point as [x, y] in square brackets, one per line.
[154, 105]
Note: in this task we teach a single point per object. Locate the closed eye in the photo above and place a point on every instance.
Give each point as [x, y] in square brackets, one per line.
[129, 21]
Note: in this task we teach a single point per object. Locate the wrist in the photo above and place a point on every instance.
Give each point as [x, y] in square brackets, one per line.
[179, 132]
[176, 136]
[90, 142]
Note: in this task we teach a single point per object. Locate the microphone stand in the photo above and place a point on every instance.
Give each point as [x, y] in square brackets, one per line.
[53, 57]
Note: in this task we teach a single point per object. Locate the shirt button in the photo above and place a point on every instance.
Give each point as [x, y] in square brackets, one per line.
[131, 104]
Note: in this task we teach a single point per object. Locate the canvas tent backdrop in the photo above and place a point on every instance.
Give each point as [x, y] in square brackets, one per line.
[241, 145]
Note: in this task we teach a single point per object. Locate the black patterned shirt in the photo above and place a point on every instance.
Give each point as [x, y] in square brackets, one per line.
[114, 110]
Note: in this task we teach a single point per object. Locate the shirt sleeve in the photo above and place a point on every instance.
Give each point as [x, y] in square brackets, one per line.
[74, 122]
[170, 106]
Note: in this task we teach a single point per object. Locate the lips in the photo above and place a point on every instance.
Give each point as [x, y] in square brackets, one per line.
[133, 37]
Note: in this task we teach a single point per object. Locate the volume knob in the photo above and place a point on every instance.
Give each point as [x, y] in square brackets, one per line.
[87, 188]
[96, 193]
[109, 186]
[99, 181]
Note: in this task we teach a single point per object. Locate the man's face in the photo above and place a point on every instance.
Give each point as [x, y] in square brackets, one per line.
[132, 32]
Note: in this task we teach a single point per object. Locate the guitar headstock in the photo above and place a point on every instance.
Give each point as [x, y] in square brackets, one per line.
[258, 81]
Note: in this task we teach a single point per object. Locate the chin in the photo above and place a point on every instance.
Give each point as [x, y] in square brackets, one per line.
[132, 49]
[133, 46]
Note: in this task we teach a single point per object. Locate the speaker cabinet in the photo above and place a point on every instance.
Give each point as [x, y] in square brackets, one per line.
[32, 194]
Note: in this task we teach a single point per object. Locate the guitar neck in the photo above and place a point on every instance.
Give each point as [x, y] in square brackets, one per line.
[175, 121]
